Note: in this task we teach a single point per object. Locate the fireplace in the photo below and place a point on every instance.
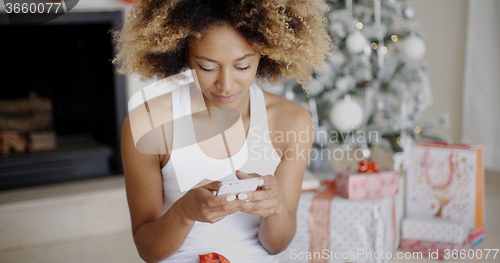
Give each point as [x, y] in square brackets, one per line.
[66, 60]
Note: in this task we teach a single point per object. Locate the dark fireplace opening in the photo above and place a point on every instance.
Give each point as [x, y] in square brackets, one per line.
[67, 61]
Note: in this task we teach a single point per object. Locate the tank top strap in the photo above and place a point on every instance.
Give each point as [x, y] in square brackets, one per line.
[183, 130]
[259, 111]
[180, 101]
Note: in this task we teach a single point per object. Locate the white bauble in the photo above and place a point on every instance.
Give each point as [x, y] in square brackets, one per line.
[337, 59]
[356, 42]
[346, 115]
[413, 48]
[344, 83]
[409, 12]
[289, 95]
[367, 153]
[338, 29]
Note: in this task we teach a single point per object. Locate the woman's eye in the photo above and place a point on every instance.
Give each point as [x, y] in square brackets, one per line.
[247, 67]
[206, 69]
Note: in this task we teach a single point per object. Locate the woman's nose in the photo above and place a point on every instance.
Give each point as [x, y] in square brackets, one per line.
[226, 80]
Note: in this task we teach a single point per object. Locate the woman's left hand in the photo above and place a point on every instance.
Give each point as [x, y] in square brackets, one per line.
[266, 200]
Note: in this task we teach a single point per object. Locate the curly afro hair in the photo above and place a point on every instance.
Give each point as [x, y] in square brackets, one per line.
[290, 35]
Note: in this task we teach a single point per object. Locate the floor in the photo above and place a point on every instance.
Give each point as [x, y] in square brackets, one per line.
[120, 247]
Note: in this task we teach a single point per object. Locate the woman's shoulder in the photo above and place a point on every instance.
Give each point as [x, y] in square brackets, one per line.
[134, 123]
[285, 115]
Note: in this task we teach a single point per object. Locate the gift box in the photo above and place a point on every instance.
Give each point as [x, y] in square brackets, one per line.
[436, 250]
[330, 227]
[434, 230]
[447, 181]
[367, 182]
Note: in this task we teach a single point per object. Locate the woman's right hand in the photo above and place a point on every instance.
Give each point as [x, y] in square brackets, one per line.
[199, 203]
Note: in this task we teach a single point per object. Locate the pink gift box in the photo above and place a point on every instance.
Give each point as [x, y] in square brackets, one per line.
[362, 185]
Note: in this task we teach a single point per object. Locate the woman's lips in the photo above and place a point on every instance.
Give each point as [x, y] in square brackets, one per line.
[225, 99]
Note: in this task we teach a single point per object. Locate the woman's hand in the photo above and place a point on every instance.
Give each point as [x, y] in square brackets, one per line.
[199, 204]
[266, 200]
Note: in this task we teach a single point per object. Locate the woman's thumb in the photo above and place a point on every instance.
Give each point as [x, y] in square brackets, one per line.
[212, 186]
[242, 175]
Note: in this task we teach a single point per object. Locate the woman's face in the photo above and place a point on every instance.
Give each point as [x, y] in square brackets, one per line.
[225, 65]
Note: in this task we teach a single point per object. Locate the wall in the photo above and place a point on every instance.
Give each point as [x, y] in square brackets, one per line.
[445, 26]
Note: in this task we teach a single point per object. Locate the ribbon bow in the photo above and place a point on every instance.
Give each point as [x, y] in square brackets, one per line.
[368, 167]
[213, 258]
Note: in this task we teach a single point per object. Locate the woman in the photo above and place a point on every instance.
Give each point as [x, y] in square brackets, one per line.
[228, 44]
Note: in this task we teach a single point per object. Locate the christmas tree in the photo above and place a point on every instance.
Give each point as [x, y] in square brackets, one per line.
[375, 82]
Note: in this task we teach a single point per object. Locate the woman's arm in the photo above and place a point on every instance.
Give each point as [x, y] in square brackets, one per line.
[278, 204]
[277, 230]
[156, 235]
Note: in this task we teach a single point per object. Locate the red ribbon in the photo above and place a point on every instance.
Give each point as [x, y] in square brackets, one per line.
[330, 183]
[319, 220]
[368, 167]
[211, 258]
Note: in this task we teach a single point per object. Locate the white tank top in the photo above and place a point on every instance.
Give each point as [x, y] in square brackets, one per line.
[235, 236]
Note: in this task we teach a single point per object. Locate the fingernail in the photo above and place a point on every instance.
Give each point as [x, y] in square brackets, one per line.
[230, 198]
[242, 196]
[261, 182]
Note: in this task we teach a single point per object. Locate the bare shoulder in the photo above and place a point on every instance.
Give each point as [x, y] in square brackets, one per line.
[160, 109]
[285, 115]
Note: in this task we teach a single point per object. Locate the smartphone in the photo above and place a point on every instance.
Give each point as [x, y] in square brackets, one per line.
[239, 186]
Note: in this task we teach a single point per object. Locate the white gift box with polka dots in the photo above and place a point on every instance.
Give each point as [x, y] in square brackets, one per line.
[365, 225]
[434, 230]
